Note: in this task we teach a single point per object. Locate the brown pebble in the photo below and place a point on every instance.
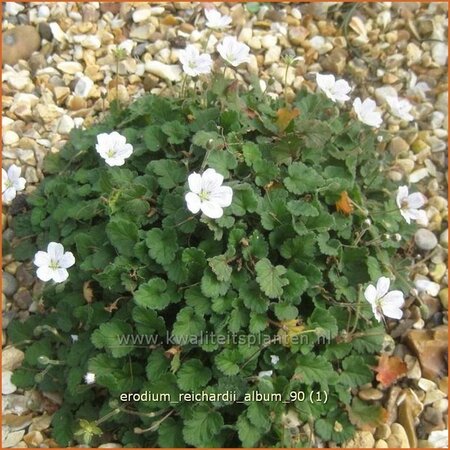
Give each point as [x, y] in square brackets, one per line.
[110, 7]
[370, 394]
[20, 43]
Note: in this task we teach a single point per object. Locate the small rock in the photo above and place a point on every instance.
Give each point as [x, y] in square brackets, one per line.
[438, 272]
[398, 438]
[9, 284]
[65, 124]
[37, 61]
[443, 297]
[7, 386]
[297, 35]
[34, 439]
[57, 32]
[272, 55]
[139, 50]
[418, 175]
[12, 8]
[398, 146]
[12, 439]
[45, 31]
[408, 410]
[23, 299]
[443, 238]
[12, 358]
[413, 366]
[41, 423]
[383, 431]
[391, 404]
[335, 61]
[92, 42]
[10, 137]
[361, 439]
[43, 12]
[113, 8]
[370, 394]
[269, 40]
[141, 14]
[24, 277]
[430, 347]
[439, 52]
[381, 444]
[143, 32]
[425, 239]
[83, 86]
[70, 67]
[20, 43]
[164, 71]
[26, 156]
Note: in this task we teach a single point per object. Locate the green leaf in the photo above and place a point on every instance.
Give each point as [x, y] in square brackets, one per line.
[285, 311]
[248, 434]
[176, 132]
[202, 427]
[302, 179]
[228, 361]
[155, 294]
[315, 369]
[123, 235]
[355, 371]
[302, 208]
[270, 278]
[188, 325]
[157, 364]
[109, 336]
[322, 318]
[170, 435]
[162, 245]
[63, 426]
[154, 138]
[193, 375]
[147, 321]
[251, 153]
[244, 200]
[212, 287]
[170, 173]
[220, 267]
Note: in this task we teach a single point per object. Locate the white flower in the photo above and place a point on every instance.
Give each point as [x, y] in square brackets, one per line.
[274, 359]
[400, 107]
[384, 302]
[265, 374]
[89, 378]
[207, 194]
[366, 112]
[215, 20]
[233, 51]
[12, 182]
[193, 62]
[74, 337]
[334, 90]
[409, 205]
[425, 285]
[113, 148]
[53, 264]
[438, 439]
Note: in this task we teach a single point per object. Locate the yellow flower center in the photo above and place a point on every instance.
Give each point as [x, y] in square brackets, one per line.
[54, 264]
[204, 195]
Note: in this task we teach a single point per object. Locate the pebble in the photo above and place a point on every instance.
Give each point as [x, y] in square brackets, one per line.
[398, 146]
[45, 31]
[141, 14]
[383, 431]
[381, 444]
[370, 394]
[272, 55]
[425, 239]
[361, 439]
[23, 299]
[57, 32]
[398, 438]
[9, 284]
[164, 71]
[418, 175]
[65, 124]
[83, 86]
[19, 43]
[143, 32]
[10, 137]
[7, 386]
[70, 67]
[443, 297]
[43, 12]
[12, 358]
[443, 238]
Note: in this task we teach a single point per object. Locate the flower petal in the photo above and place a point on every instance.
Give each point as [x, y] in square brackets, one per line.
[370, 294]
[67, 260]
[193, 202]
[211, 180]
[383, 284]
[402, 194]
[393, 298]
[55, 251]
[19, 184]
[14, 172]
[195, 182]
[212, 210]
[394, 312]
[44, 273]
[9, 194]
[41, 259]
[223, 196]
[60, 275]
[416, 200]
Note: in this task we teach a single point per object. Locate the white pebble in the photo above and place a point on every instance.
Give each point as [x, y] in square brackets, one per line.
[418, 175]
[425, 239]
[164, 71]
[7, 386]
[10, 137]
[70, 67]
[12, 9]
[43, 11]
[141, 14]
[65, 124]
[439, 52]
[83, 87]
[92, 42]
[57, 32]
[269, 40]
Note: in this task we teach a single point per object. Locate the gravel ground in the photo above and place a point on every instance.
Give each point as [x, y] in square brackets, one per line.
[63, 79]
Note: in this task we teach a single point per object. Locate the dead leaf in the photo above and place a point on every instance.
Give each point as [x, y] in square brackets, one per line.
[390, 369]
[284, 117]
[344, 204]
[88, 292]
[288, 330]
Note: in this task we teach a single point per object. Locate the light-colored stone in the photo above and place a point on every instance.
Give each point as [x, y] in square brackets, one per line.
[141, 14]
[65, 124]
[20, 43]
[272, 55]
[361, 439]
[70, 67]
[12, 358]
[425, 239]
[7, 386]
[10, 137]
[164, 71]
[418, 175]
[381, 444]
[398, 438]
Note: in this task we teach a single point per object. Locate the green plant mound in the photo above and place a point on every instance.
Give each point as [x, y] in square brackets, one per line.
[273, 285]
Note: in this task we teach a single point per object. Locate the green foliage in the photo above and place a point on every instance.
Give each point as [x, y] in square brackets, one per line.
[282, 261]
